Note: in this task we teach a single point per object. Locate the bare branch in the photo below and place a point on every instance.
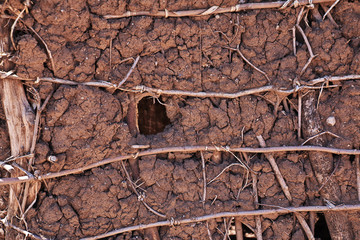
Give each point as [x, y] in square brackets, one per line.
[261, 212]
[212, 10]
[22, 179]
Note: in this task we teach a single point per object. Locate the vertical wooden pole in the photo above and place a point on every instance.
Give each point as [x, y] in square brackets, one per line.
[20, 123]
[323, 165]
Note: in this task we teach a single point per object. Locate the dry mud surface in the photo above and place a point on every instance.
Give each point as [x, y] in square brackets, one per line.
[83, 125]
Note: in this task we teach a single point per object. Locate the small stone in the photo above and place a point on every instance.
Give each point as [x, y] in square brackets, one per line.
[52, 158]
[331, 121]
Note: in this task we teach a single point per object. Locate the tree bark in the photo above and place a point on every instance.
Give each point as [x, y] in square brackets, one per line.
[323, 165]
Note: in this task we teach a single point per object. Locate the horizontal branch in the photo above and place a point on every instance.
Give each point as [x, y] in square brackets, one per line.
[212, 10]
[188, 149]
[333, 79]
[305, 85]
[229, 214]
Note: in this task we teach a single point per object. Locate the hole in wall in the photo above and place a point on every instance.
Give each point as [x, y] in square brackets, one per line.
[152, 118]
[321, 228]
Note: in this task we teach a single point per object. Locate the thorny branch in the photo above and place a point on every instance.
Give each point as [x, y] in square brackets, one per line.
[261, 212]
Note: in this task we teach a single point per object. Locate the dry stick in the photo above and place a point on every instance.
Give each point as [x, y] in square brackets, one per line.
[312, 222]
[105, 84]
[140, 198]
[248, 62]
[357, 164]
[332, 79]
[332, 6]
[204, 177]
[13, 27]
[34, 188]
[26, 233]
[45, 45]
[238, 229]
[253, 91]
[330, 17]
[226, 168]
[285, 189]
[22, 179]
[129, 73]
[294, 39]
[329, 177]
[245, 165]
[208, 230]
[227, 228]
[110, 59]
[318, 135]
[258, 231]
[318, 100]
[305, 226]
[212, 10]
[299, 114]
[261, 212]
[275, 167]
[312, 56]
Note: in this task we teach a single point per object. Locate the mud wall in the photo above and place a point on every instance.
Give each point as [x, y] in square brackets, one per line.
[82, 125]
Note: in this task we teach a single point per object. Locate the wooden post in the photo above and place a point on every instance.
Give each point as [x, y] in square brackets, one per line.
[323, 165]
[20, 122]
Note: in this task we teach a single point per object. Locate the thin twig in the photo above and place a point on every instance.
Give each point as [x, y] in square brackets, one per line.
[140, 198]
[329, 177]
[330, 17]
[261, 212]
[23, 170]
[277, 172]
[45, 45]
[332, 79]
[299, 114]
[22, 179]
[130, 71]
[26, 233]
[212, 10]
[258, 231]
[208, 230]
[204, 177]
[226, 168]
[110, 56]
[227, 228]
[294, 39]
[320, 93]
[13, 26]
[248, 62]
[318, 135]
[357, 164]
[245, 165]
[297, 25]
[332, 6]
